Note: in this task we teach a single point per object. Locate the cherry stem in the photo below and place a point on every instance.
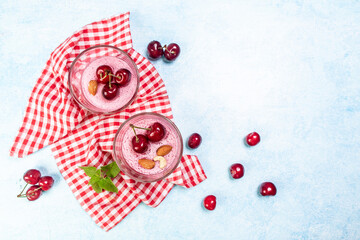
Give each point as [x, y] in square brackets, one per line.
[22, 190]
[133, 126]
[114, 76]
[172, 52]
[136, 137]
[33, 192]
[101, 77]
[109, 81]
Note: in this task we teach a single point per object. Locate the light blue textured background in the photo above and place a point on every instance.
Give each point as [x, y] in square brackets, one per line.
[287, 69]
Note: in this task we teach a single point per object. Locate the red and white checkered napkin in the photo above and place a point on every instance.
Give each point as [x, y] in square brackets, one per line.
[80, 138]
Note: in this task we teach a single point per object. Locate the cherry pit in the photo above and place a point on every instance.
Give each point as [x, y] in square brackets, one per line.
[156, 51]
[39, 184]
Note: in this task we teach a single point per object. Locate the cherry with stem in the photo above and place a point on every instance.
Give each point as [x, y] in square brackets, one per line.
[26, 195]
[171, 51]
[121, 77]
[103, 73]
[110, 90]
[31, 176]
[139, 142]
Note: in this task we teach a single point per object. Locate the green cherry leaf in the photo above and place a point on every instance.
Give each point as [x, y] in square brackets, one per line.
[96, 187]
[108, 185]
[94, 179]
[111, 170]
[114, 170]
[90, 171]
[106, 168]
[98, 173]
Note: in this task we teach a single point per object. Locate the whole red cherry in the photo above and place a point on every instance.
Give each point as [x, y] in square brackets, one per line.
[33, 193]
[154, 50]
[140, 144]
[194, 140]
[156, 132]
[32, 176]
[103, 73]
[237, 170]
[171, 52]
[252, 139]
[267, 189]
[46, 182]
[210, 202]
[122, 77]
[109, 92]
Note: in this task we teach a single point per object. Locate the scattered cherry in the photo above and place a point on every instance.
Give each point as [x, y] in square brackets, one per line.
[237, 170]
[267, 189]
[171, 51]
[103, 74]
[32, 176]
[46, 183]
[155, 50]
[156, 132]
[109, 92]
[140, 143]
[122, 77]
[210, 202]
[33, 192]
[194, 140]
[252, 139]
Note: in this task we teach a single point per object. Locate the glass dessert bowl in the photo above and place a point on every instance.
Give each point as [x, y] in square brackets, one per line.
[96, 79]
[155, 155]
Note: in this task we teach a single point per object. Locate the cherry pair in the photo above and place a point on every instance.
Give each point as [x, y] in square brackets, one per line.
[112, 81]
[154, 133]
[170, 52]
[33, 177]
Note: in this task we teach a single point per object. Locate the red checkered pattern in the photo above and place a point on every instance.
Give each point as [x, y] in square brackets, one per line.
[80, 138]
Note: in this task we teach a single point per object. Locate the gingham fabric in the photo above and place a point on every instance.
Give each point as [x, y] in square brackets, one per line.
[80, 138]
